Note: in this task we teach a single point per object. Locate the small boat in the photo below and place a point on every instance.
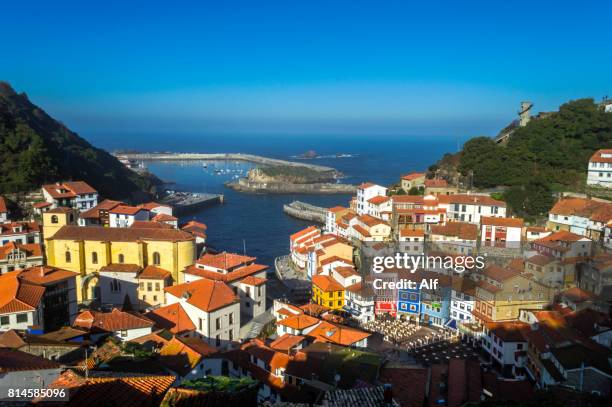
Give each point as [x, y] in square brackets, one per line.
[204, 165]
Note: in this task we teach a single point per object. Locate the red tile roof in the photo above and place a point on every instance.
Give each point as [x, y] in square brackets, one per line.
[30, 249]
[233, 275]
[171, 317]
[469, 199]
[436, 183]
[205, 294]
[18, 296]
[407, 232]
[597, 156]
[152, 205]
[138, 390]
[377, 200]
[26, 227]
[116, 320]
[252, 280]
[71, 232]
[304, 232]
[162, 217]
[326, 283]
[148, 224]
[507, 222]
[586, 208]
[43, 204]
[408, 383]
[509, 331]
[195, 228]
[299, 322]
[45, 275]
[13, 360]
[224, 261]
[461, 230]
[338, 334]
[181, 355]
[11, 339]
[121, 268]
[126, 210]
[286, 342]
[72, 189]
[105, 205]
[361, 231]
[413, 176]
[498, 273]
[154, 273]
[577, 295]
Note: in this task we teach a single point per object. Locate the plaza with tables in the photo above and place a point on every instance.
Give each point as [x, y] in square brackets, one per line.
[407, 335]
[444, 351]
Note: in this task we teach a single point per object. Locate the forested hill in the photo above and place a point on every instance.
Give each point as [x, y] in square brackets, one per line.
[36, 149]
[549, 153]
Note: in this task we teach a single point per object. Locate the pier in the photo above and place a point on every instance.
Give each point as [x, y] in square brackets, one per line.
[305, 211]
[184, 202]
[134, 157]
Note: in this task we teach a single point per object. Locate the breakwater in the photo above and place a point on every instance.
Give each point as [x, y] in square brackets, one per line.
[257, 159]
[305, 211]
[245, 185]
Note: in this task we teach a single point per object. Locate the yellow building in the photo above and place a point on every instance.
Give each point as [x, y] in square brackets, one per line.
[151, 283]
[327, 291]
[87, 249]
[335, 248]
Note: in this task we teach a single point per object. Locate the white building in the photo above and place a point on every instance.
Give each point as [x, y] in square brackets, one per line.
[359, 301]
[470, 207]
[3, 210]
[122, 325]
[365, 192]
[213, 308]
[124, 216]
[299, 243]
[19, 233]
[502, 340]
[78, 195]
[19, 308]
[15, 256]
[462, 300]
[412, 241]
[246, 278]
[501, 232]
[586, 217]
[600, 168]
[116, 282]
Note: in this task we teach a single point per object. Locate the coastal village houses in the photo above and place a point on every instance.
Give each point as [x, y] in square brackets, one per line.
[412, 180]
[365, 192]
[4, 217]
[77, 195]
[600, 169]
[586, 217]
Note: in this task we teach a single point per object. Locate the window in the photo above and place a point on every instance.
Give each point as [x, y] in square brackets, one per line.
[94, 258]
[141, 286]
[155, 298]
[156, 259]
[22, 318]
[218, 323]
[149, 286]
[123, 334]
[231, 318]
[68, 258]
[156, 286]
[121, 258]
[4, 320]
[115, 285]
[200, 323]
[231, 335]
[54, 219]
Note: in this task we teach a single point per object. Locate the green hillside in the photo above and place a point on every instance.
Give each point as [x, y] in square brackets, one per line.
[548, 154]
[36, 149]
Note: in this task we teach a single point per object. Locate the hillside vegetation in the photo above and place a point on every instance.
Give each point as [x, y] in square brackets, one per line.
[36, 149]
[546, 155]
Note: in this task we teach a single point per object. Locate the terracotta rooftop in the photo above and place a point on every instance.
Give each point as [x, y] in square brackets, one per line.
[436, 183]
[509, 331]
[461, 230]
[154, 273]
[286, 342]
[172, 318]
[148, 224]
[207, 295]
[498, 273]
[326, 283]
[506, 222]
[116, 320]
[407, 232]
[586, 208]
[577, 295]
[413, 176]
[236, 274]
[162, 217]
[252, 280]
[26, 227]
[18, 296]
[377, 200]
[181, 355]
[602, 156]
[338, 334]
[195, 228]
[224, 260]
[132, 390]
[30, 249]
[68, 189]
[105, 205]
[304, 232]
[11, 339]
[103, 234]
[13, 360]
[121, 268]
[299, 322]
[469, 199]
[152, 205]
[126, 210]
[45, 275]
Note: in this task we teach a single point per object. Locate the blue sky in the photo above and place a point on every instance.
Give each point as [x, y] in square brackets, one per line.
[298, 67]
